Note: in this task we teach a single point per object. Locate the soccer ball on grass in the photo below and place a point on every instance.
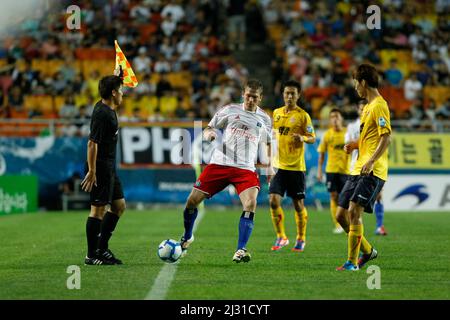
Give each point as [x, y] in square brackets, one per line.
[169, 250]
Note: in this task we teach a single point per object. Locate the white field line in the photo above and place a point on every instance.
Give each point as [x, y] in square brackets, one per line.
[167, 273]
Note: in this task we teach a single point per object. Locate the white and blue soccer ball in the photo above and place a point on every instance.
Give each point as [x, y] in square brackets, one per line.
[169, 250]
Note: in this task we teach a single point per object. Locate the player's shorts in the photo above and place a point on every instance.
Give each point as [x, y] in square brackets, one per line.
[215, 178]
[109, 187]
[336, 182]
[361, 189]
[293, 183]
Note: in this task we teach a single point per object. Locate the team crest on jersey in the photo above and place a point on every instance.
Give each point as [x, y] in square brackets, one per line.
[292, 120]
[309, 129]
[259, 124]
[277, 118]
[382, 122]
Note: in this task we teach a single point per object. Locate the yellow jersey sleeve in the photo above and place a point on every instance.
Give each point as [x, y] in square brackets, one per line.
[308, 127]
[382, 118]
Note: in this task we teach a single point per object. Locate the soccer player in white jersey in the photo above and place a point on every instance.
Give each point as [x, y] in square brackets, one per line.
[352, 134]
[245, 125]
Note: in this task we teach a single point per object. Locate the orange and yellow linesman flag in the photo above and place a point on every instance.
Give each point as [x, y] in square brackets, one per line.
[129, 78]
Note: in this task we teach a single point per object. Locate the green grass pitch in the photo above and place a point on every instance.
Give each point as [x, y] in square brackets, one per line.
[36, 250]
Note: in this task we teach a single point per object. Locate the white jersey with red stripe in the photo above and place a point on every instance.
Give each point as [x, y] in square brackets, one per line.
[353, 135]
[243, 131]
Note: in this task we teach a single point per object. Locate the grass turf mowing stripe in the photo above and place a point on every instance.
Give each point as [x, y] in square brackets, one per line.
[167, 274]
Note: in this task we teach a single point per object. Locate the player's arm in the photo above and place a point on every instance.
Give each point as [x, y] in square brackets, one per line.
[351, 145]
[219, 121]
[385, 140]
[99, 126]
[308, 135]
[209, 134]
[270, 171]
[321, 150]
[90, 179]
[320, 166]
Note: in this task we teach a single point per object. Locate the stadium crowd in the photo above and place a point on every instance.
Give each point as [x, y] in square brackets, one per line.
[182, 54]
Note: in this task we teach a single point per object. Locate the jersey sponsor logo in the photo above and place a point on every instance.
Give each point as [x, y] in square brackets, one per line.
[414, 190]
[309, 129]
[237, 117]
[382, 122]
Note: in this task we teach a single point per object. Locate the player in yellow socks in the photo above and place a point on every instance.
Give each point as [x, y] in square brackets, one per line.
[370, 171]
[337, 168]
[293, 129]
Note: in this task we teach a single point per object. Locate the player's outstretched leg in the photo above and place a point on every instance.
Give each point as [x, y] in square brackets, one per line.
[246, 224]
[189, 215]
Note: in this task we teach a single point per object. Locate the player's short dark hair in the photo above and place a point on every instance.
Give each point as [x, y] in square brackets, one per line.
[254, 84]
[368, 73]
[336, 110]
[293, 83]
[107, 85]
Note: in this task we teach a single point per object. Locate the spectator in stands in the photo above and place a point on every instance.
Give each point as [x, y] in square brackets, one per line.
[50, 48]
[68, 110]
[412, 87]
[67, 71]
[58, 84]
[444, 110]
[236, 23]
[145, 87]
[82, 121]
[255, 25]
[162, 65]
[156, 116]
[417, 114]
[35, 112]
[16, 99]
[163, 85]
[28, 78]
[142, 63]
[186, 48]
[141, 13]
[77, 83]
[393, 75]
[173, 9]
[223, 92]
[424, 74]
[168, 26]
[180, 112]
[136, 115]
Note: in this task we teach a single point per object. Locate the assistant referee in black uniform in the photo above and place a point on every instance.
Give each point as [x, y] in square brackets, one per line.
[101, 179]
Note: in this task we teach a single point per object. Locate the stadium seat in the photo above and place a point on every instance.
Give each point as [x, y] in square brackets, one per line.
[95, 54]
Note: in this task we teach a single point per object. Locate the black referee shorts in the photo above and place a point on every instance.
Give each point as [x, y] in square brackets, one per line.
[290, 182]
[109, 187]
[361, 189]
[336, 182]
